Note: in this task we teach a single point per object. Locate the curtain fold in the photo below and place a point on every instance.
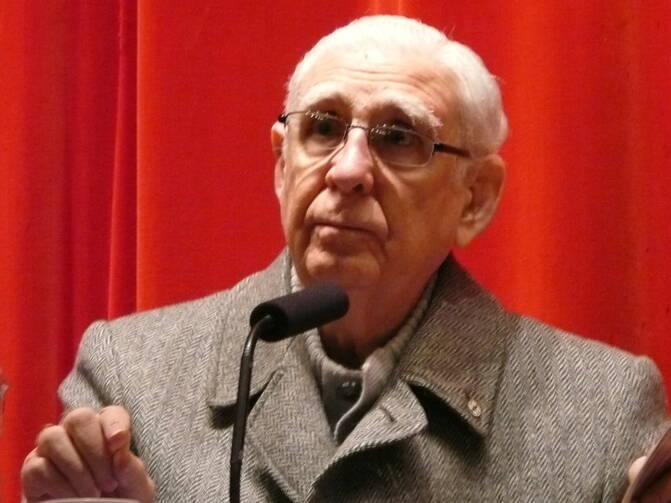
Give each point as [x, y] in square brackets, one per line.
[122, 291]
[58, 94]
[135, 167]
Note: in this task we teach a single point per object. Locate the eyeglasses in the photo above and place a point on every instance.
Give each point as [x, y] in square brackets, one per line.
[320, 133]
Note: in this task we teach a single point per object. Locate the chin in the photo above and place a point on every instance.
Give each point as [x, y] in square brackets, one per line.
[348, 271]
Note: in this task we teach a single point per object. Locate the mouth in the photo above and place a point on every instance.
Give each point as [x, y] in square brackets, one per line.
[360, 227]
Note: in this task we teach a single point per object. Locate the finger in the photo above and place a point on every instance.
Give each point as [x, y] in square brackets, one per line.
[116, 427]
[41, 479]
[134, 481]
[54, 444]
[84, 429]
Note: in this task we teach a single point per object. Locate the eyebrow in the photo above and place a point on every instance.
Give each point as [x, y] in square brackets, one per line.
[411, 106]
[321, 92]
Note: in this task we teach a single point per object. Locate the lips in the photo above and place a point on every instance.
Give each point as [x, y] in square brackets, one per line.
[331, 209]
[374, 228]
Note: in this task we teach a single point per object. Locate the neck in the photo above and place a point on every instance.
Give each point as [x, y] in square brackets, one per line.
[374, 317]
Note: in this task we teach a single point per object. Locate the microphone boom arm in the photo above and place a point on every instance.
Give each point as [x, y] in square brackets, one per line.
[265, 324]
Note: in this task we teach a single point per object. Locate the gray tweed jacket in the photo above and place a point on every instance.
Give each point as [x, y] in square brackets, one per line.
[485, 405]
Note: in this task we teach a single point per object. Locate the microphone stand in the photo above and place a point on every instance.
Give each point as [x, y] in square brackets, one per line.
[264, 326]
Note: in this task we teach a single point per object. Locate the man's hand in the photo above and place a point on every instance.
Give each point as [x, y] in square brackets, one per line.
[87, 455]
[659, 492]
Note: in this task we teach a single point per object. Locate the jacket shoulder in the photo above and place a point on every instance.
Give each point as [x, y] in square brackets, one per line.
[554, 348]
[163, 348]
[591, 381]
[196, 320]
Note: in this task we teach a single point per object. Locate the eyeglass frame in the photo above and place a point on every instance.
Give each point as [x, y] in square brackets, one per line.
[437, 146]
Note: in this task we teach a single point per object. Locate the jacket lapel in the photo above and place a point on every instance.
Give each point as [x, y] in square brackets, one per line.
[457, 355]
[288, 429]
[233, 325]
[287, 433]
[396, 416]
[459, 351]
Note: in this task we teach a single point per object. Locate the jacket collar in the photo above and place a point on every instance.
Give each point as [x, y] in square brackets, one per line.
[459, 350]
[236, 305]
[457, 354]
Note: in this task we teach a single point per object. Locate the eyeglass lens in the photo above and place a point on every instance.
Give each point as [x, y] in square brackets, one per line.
[321, 133]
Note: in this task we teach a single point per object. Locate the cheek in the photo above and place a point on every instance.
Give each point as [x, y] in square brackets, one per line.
[301, 187]
[444, 219]
[408, 206]
[423, 214]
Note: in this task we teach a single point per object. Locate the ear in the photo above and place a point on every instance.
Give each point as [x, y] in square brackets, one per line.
[276, 141]
[484, 181]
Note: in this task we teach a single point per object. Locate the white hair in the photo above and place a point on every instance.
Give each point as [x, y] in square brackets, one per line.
[484, 124]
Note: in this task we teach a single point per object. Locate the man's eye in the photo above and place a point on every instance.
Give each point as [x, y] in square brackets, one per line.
[324, 125]
[395, 137]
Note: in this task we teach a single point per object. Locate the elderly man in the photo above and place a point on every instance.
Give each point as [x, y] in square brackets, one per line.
[427, 390]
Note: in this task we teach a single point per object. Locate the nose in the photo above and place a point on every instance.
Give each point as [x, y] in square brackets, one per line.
[351, 169]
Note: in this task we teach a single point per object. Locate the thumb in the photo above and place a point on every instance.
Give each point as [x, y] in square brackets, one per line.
[131, 474]
[115, 422]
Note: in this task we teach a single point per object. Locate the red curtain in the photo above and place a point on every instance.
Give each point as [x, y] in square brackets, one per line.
[135, 167]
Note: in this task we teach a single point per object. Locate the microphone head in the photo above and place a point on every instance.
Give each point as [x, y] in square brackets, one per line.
[297, 312]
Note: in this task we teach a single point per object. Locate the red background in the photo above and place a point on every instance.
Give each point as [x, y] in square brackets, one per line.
[135, 167]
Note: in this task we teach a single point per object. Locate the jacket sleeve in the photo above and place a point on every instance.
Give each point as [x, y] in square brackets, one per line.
[94, 381]
[638, 419]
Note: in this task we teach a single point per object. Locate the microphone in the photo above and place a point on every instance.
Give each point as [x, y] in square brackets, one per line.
[297, 312]
[273, 321]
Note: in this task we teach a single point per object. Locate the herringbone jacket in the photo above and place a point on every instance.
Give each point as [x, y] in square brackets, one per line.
[484, 405]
